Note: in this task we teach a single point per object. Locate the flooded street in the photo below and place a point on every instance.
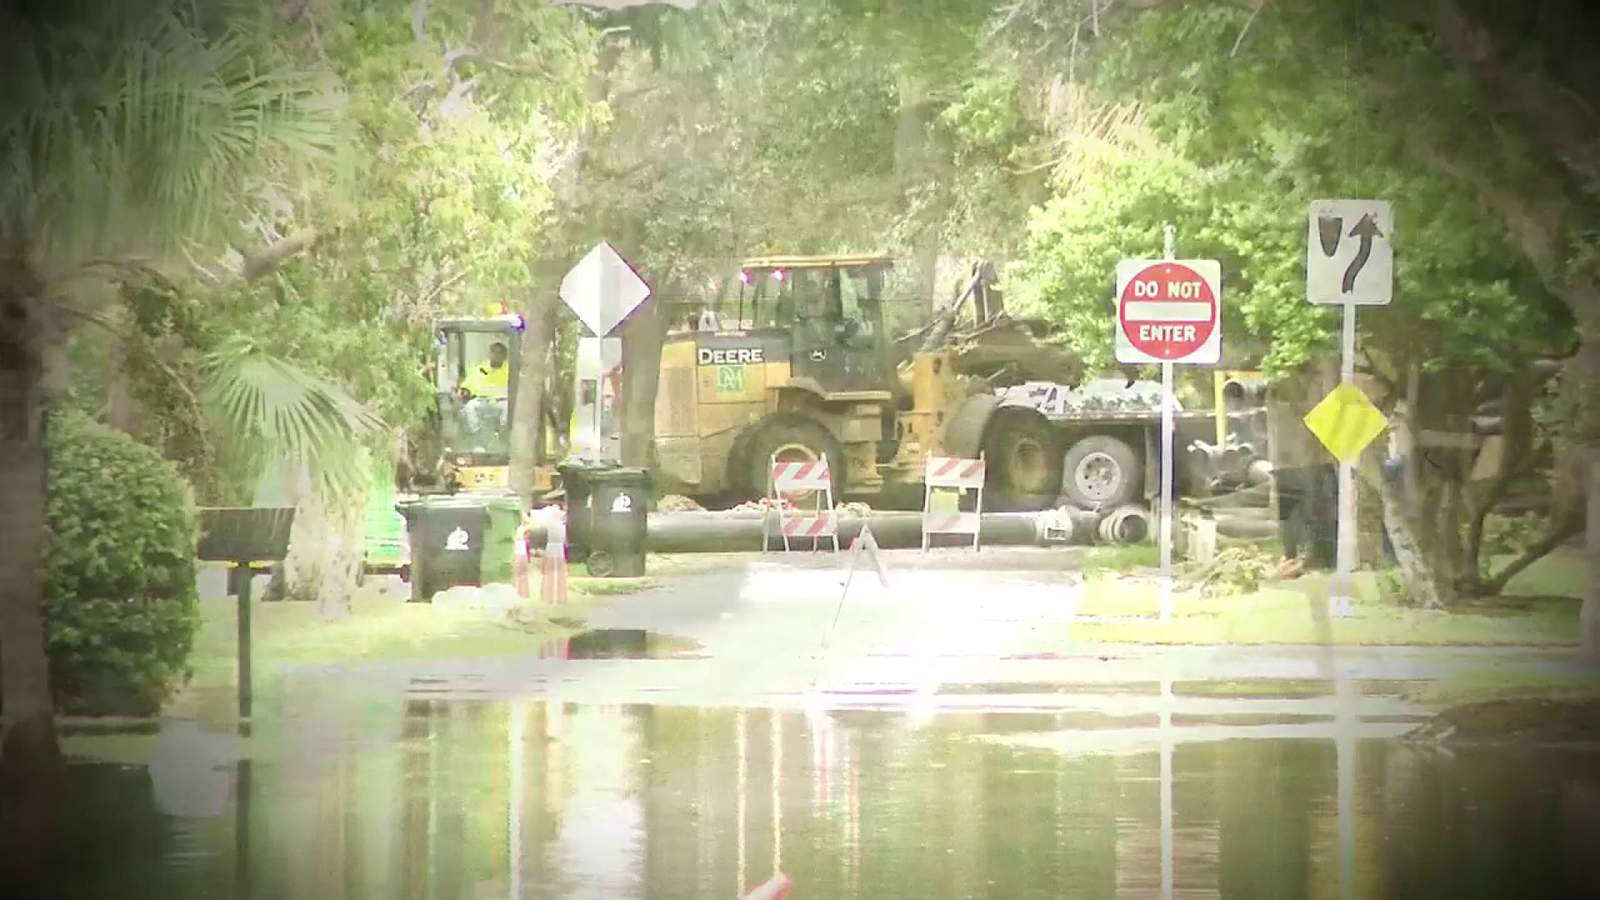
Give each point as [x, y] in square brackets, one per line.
[712, 732]
[422, 798]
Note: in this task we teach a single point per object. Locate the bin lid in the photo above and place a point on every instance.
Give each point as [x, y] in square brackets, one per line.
[623, 474]
[441, 504]
[587, 465]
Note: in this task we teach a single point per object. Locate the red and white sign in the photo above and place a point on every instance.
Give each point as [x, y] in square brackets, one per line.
[1169, 311]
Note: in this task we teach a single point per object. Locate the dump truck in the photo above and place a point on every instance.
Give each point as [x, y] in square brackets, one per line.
[803, 370]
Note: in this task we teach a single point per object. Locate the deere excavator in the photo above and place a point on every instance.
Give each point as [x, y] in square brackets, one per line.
[805, 371]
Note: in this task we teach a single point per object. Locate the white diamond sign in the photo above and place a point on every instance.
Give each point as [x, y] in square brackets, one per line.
[603, 289]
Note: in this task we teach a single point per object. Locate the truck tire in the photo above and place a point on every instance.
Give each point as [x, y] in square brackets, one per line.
[1024, 455]
[793, 441]
[1100, 472]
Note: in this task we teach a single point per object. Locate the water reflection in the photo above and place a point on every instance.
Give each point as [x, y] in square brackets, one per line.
[544, 799]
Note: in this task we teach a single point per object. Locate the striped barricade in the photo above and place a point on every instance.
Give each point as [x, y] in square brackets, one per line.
[800, 477]
[946, 481]
[792, 479]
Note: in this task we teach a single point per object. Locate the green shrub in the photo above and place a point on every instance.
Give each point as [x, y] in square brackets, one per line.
[120, 600]
[1509, 536]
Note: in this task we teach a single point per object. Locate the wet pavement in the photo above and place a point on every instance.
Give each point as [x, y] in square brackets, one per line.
[907, 743]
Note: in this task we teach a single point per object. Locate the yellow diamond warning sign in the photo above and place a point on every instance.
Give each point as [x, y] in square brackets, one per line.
[1346, 422]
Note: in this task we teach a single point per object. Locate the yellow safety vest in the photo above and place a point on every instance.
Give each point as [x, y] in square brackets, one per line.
[488, 381]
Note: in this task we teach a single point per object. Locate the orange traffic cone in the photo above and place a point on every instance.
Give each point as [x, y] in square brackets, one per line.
[776, 888]
[521, 557]
[553, 583]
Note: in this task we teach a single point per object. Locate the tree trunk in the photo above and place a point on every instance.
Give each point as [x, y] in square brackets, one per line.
[28, 744]
[325, 546]
[1589, 615]
[30, 757]
[641, 371]
[912, 164]
[122, 408]
[531, 386]
[1422, 582]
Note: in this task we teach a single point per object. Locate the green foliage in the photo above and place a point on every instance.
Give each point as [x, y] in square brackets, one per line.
[1509, 536]
[120, 605]
[1231, 153]
[284, 414]
[132, 127]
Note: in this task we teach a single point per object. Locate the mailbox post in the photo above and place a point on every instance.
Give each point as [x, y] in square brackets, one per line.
[243, 536]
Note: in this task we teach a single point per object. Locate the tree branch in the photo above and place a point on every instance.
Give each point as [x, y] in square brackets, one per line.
[1260, 4]
[267, 259]
[419, 20]
[99, 320]
[1559, 534]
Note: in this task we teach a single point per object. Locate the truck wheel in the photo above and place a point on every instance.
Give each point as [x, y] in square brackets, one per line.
[794, 442]
[1100, 472]
[1024, 456]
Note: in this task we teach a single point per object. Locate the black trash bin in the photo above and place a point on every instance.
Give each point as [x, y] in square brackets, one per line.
[446, 536]
[575, 478]
[619, 503]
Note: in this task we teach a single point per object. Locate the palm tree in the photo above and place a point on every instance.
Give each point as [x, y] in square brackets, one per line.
[310, 432]
[130, 132]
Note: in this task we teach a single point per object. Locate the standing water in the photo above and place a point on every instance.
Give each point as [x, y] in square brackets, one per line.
[536, 799]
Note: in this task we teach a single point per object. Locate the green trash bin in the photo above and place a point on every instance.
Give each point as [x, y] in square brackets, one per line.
[447, 537]
[575, 477]
[505, 514]
[619, 504]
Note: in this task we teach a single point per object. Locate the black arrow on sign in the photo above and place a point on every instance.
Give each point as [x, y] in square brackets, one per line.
[1366, 229]
[1328, 228]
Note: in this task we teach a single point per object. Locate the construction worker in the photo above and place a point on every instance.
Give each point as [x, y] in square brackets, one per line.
[485, 388]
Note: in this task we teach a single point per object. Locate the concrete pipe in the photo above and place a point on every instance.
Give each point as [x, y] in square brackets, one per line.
[1128, 524]
[1259, 472]
[1066, 525]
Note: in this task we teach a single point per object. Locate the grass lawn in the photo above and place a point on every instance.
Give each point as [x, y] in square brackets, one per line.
[1475, 687]
[1121, 598]
[382, 626]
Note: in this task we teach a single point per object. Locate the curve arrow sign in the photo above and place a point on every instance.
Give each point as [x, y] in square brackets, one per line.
[1366, 230]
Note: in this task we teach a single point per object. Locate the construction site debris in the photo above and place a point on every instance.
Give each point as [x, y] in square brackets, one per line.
[678, 503]
[764, 504]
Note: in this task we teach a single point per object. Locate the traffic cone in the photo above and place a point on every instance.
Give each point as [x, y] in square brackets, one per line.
[520, 558]
[553, 583]
[776, 888]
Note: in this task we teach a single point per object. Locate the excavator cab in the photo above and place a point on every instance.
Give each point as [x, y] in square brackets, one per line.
[475, 381]
[832, 308]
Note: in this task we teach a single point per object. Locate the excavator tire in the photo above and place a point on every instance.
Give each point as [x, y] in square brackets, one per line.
[964, 435]
[793, 440]
[1024, 455]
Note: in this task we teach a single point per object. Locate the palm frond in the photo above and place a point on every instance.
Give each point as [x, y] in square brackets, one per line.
[284, 412]
[145, 130]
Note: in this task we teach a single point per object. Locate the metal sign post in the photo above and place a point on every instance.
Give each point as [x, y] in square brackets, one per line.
[1168, 312]
[1349, 262]
[242, 536]
[1169, 250]
[602, 290]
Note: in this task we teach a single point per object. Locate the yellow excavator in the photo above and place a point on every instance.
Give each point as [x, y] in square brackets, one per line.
[803, 370]
[465, 444]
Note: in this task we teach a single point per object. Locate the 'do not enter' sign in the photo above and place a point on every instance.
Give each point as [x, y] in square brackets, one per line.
[1169, 311]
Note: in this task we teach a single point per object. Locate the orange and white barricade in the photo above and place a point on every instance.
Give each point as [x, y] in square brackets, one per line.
[792, 479]
[952, 477]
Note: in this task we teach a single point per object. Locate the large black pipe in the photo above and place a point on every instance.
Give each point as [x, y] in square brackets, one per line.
[722, 532]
